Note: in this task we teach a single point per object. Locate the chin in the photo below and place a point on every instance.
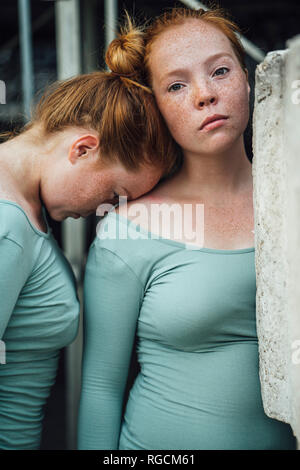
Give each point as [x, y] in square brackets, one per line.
[59, 219]
[222, 143]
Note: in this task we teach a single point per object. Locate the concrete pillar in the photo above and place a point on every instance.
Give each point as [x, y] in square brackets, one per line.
[276, 132]
[269, 190]
[292, 149]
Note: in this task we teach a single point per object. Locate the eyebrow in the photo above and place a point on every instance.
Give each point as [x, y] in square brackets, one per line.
[216, 56]
[207, 61]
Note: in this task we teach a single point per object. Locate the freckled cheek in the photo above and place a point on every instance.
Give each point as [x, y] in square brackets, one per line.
[238, 103]
[181, 128]
[240, 112]
[234, 99]
[168, 109]
[88, 194]
[176, 117]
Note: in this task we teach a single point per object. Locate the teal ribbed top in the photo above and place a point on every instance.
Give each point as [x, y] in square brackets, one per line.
[193, 311]
[39, 315]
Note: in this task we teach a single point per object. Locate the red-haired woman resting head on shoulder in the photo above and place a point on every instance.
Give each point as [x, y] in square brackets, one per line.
[92, 138]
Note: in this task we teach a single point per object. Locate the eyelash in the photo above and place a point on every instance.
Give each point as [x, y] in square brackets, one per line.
[170, 88]
[115, 197]
[220, 68]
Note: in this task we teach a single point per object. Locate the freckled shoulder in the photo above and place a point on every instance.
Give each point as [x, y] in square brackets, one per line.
[139, 210]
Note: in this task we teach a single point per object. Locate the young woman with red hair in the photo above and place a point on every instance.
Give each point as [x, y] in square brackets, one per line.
[92, 138]
[191, 306]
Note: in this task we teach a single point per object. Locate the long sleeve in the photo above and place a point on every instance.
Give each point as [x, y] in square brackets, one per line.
[112, 299]
[13, 274]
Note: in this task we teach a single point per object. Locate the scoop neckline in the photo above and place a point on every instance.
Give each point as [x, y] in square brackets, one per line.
[187, 246]
[36, 230]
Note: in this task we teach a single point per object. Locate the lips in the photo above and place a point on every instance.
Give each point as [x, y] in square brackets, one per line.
[212, 118]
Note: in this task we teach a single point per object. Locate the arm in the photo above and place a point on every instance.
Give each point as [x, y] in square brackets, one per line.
[112, 298]
[13, 276]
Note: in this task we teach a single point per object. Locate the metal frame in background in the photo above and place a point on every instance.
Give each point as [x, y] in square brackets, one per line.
[68, 41]
[110, 20]
[24, 12]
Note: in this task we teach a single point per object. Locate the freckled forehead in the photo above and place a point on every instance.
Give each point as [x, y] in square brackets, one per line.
[184, 44]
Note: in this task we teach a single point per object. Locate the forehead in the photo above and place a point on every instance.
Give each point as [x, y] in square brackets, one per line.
[191, 42]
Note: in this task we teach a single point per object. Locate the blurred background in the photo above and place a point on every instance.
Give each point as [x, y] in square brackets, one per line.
[45, 40]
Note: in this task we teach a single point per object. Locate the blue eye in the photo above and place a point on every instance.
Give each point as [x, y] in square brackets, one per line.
[174, 87]
[221, 68]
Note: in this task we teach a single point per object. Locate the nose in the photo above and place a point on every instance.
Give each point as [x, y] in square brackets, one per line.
[204, 95]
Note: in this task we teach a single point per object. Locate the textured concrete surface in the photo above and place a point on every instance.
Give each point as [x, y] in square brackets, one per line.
[292, 149]
[276, 172]
[269, 172]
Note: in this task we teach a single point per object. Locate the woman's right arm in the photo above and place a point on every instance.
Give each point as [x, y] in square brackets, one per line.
[112, 299]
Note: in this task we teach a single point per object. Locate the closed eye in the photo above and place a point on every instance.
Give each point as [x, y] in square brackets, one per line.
[116, 197]
[221, 68]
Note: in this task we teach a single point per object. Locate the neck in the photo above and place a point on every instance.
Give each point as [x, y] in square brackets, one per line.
[20, 162]
[214, 176]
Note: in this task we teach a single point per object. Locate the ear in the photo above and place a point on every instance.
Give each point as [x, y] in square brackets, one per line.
[83, 147]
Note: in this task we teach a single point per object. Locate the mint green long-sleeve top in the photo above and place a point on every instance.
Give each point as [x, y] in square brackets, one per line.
[193, 311]
[39, 314]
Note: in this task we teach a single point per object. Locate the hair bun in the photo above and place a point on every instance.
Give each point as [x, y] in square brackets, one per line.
[125, 54]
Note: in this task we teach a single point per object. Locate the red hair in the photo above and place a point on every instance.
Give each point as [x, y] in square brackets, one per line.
[138, 40]
[216, 16]
[125, 117]
[122, 111]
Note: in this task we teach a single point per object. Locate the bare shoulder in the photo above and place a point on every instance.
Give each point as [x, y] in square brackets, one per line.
[139, 210]
[140, 206]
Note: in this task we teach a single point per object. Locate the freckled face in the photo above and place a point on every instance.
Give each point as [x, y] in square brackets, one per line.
[78, 190]
[189, 86]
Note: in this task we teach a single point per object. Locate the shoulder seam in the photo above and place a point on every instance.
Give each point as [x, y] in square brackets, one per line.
[5, 237]
[23, 212]
[126, 264]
